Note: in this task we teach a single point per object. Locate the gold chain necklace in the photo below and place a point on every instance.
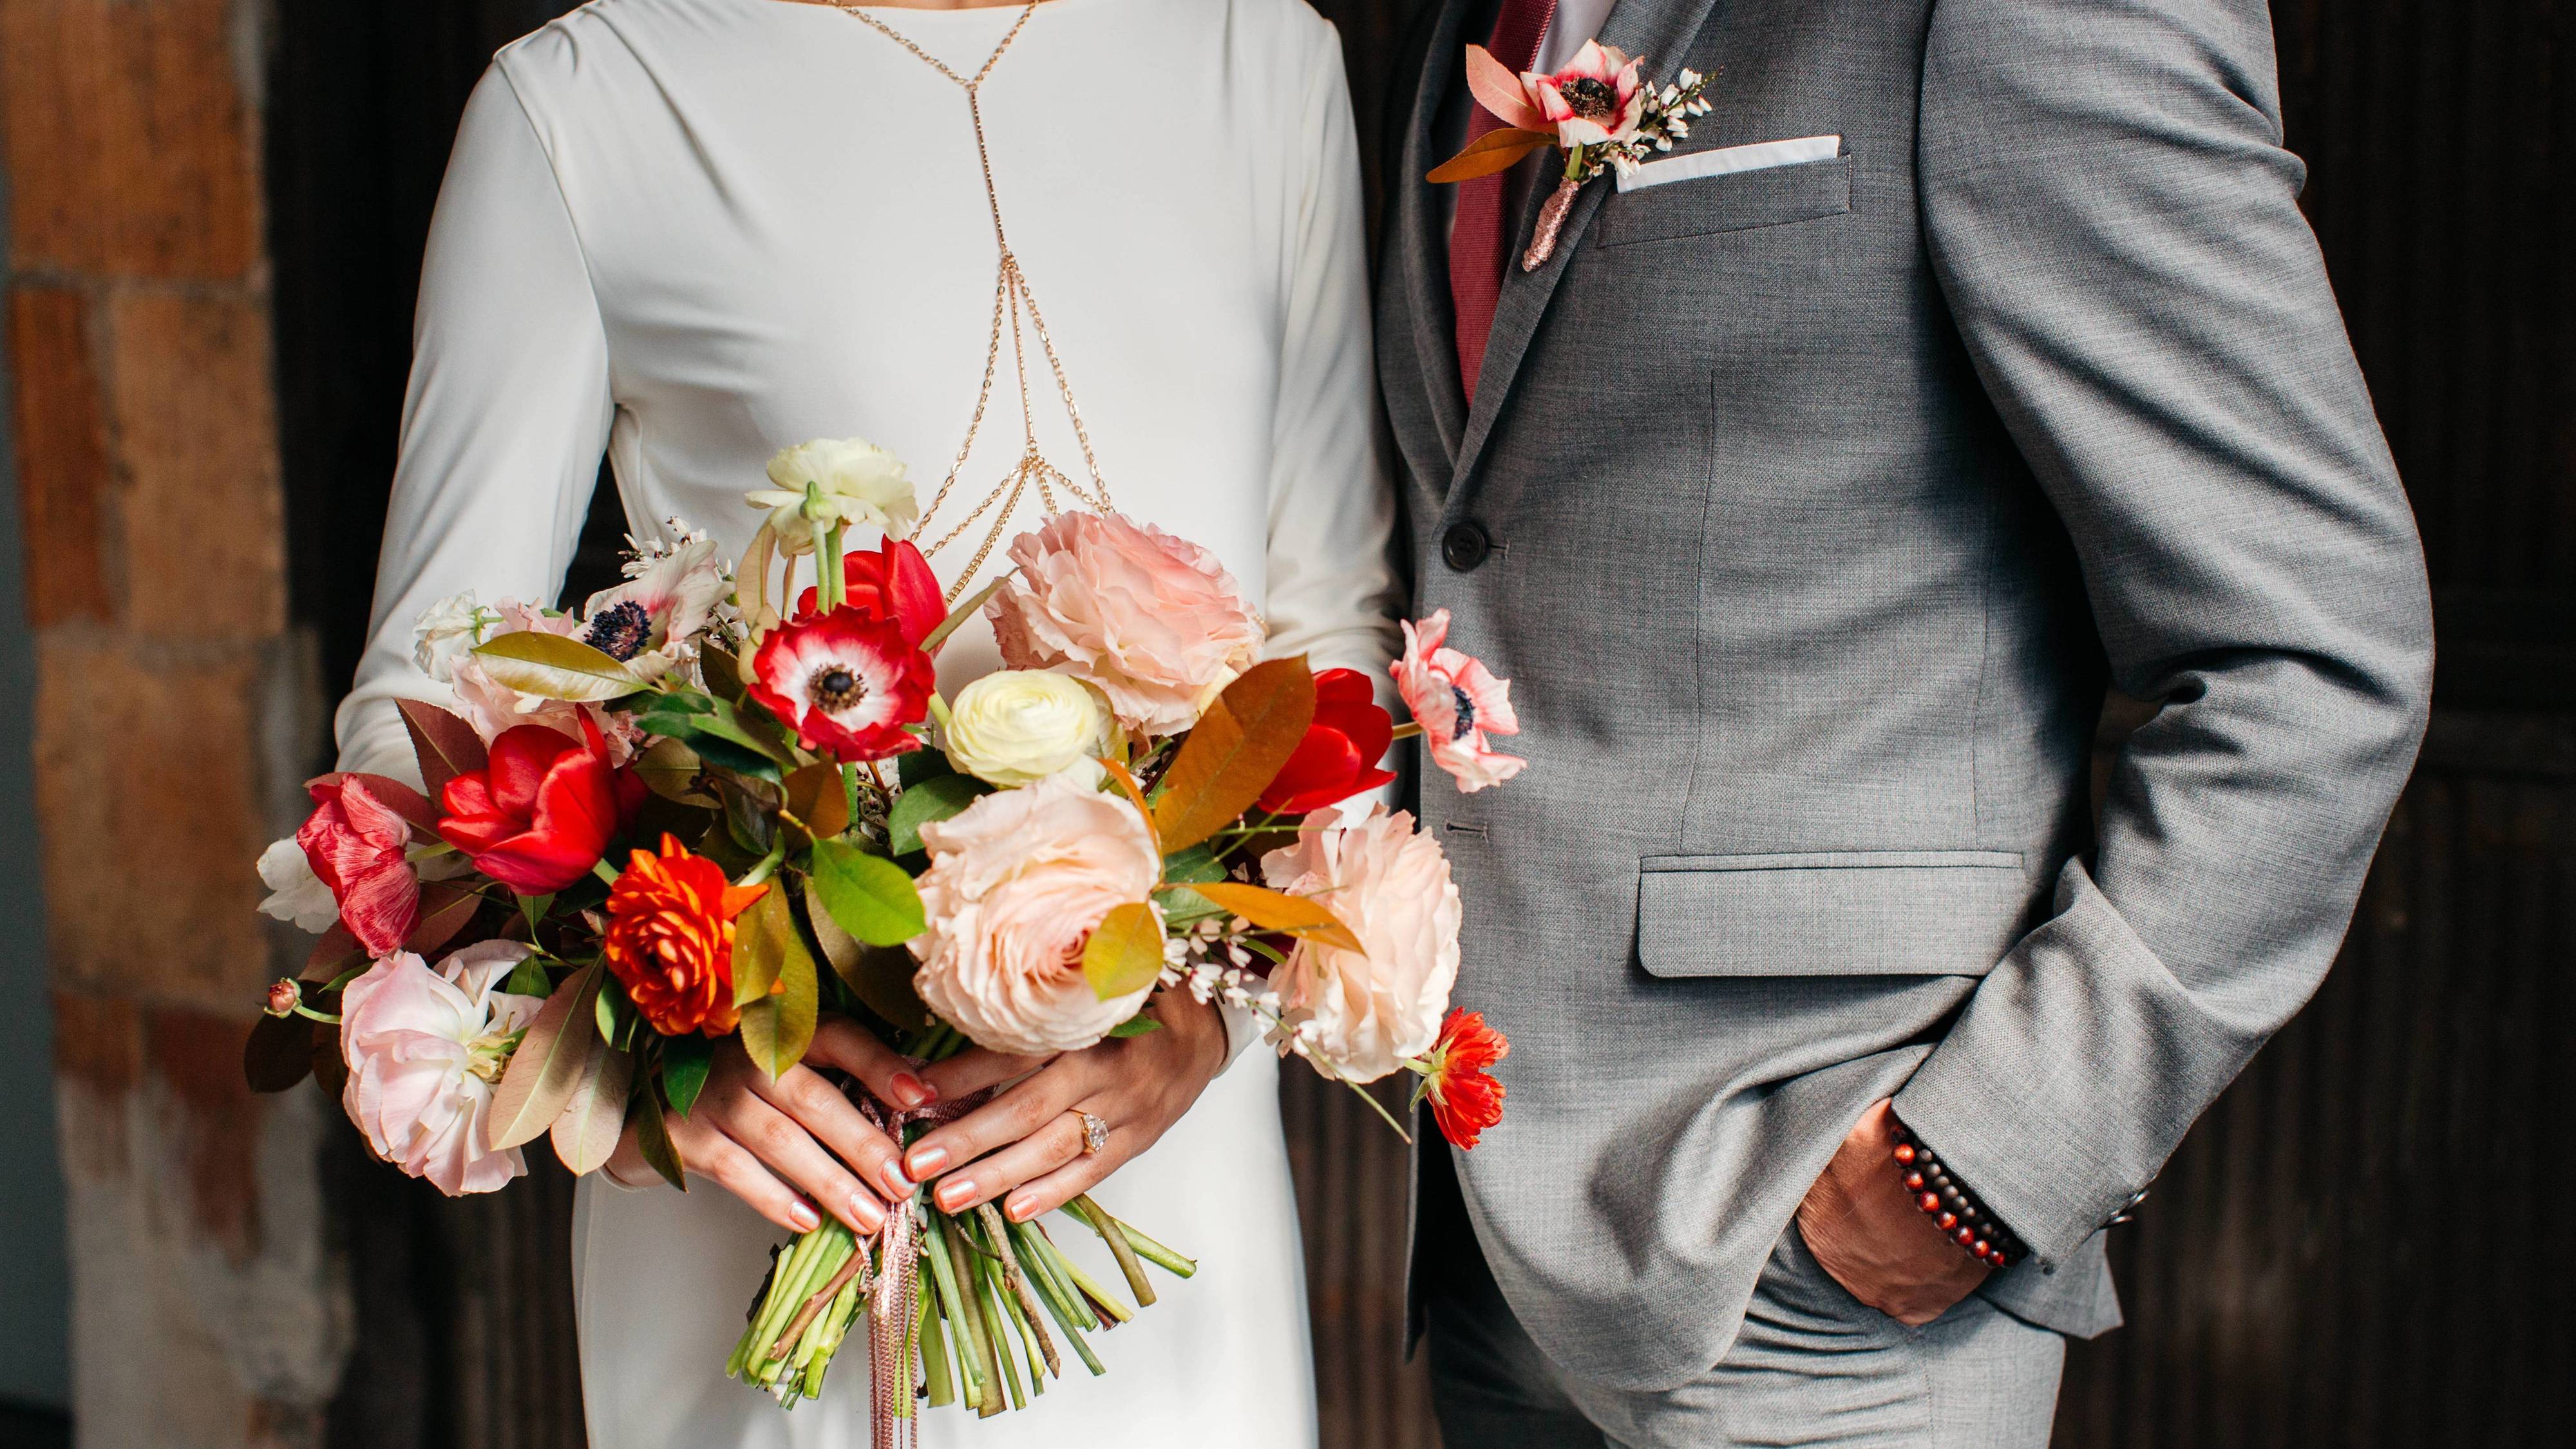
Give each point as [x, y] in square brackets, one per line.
[1011, 295]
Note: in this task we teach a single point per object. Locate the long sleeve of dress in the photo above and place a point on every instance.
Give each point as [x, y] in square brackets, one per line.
[504, 421]
[1333, 591]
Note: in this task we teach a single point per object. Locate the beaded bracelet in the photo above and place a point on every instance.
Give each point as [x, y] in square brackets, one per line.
[1951, 1207]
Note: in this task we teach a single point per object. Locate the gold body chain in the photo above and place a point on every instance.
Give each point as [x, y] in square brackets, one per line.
[1011, 295]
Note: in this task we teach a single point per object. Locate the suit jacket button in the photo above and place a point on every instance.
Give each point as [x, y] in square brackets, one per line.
[1465, 545]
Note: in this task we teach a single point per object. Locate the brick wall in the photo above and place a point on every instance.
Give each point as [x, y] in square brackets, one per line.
[175, 711]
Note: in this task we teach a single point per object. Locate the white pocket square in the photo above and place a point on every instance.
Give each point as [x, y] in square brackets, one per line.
[1728, 160]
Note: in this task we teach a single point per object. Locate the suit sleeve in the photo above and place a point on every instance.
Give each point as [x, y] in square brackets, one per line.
[504, 420]
[2115, 224]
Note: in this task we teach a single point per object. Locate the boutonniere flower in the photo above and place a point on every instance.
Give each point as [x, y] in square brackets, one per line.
[1598, 109]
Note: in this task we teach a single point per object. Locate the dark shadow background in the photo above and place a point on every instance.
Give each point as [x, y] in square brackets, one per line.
[2363, 1244]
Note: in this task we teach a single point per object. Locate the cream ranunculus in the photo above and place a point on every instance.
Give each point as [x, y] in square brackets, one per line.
[1022, 725]
[1364, 1013]
[835, 480]
[1017, 883]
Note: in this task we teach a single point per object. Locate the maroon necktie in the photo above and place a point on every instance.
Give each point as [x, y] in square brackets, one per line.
[1478, 252]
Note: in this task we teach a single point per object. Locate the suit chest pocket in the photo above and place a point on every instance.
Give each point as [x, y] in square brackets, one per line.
[1714, 205]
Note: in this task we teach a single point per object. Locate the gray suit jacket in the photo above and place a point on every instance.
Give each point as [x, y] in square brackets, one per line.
[1822, 501]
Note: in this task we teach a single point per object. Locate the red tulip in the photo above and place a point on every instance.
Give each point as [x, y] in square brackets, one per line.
[893, 582]
[355, 843]
[542, 813]
[1338, 758]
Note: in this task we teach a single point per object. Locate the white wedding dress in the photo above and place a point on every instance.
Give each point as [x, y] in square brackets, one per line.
[689, 232]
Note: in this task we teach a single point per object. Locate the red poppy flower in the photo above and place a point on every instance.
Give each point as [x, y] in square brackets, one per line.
[355, 843]
[1338, 758]
[1465, 1100]
[847, 683]
[542, 813]
[892, 582]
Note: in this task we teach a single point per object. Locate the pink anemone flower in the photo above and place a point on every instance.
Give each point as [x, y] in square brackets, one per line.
[846, 682]
[1597, 98]
[1458, 702]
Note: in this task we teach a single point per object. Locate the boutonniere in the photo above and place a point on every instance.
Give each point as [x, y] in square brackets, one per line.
[1597, 108]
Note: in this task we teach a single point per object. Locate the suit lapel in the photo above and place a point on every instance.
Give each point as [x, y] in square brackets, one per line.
[1658, 30]
[1425, 250]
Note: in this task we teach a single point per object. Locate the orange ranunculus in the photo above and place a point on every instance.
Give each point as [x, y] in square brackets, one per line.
[1465, 1100]
[670, 939]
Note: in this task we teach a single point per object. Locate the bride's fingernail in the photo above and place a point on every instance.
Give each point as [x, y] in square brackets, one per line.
[1022, 1209]
[925, 1163]
[954, 1193]
[805, 1218]
[912, 1093]
[896, 1184]
[865, 1215]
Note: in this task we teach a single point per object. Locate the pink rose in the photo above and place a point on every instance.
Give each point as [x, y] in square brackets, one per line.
[1154, 621]
[1596, 98]
[1017, 882]
[1458, 702]
[425, 1050]
[1363, 1013]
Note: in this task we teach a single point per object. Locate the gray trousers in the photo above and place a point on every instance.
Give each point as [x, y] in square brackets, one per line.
[1813, 1366]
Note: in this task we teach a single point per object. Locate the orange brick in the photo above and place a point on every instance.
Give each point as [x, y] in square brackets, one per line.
[130, 150]
[62, 456]
[96, 1043]
[198, 1059]
[148, 802]
[201, 509]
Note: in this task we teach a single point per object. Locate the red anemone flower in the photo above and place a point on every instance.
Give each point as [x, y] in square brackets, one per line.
[542, 813]
[1338, 758]
[892, 582]
[1465, 1100]
[356, 844]
[848, 683]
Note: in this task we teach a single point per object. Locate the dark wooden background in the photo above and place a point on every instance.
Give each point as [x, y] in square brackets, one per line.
[2362, 1245]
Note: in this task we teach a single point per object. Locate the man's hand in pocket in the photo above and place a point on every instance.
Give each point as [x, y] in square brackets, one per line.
[1863, 1228]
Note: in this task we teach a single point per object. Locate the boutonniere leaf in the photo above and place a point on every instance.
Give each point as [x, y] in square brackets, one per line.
[1500, 91]
[1493, 151]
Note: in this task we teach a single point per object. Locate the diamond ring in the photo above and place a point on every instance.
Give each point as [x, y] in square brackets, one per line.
[1095, 1134]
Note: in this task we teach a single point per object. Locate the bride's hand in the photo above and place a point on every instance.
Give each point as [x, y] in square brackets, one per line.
[1027, 1142]
[786, 1146]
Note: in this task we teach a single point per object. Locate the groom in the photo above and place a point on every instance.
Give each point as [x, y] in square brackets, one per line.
[1810, 505]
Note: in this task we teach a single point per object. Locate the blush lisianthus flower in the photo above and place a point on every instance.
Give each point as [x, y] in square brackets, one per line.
[425, 1050]
[1017, 726]
[846, 682]
[1458, 702]
[670, 939]
[356, 844]
[835, 481]
[1365, 1012]
[1596, 98]
[1465, 1099]
[1017, 883]
[541, 813]
[1151, 620]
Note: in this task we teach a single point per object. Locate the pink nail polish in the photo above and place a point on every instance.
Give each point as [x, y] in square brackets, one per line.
[925, 1162]
[804, 1217]
[865, 1215]
[913, 1093]
[1021, 1209]
[954, 1193]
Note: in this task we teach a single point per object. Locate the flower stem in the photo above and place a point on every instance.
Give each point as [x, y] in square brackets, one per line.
[602, 869]
[1107, 1227]
[958, 614]
[1380, 1107]
[1407, 730]
[832, 587]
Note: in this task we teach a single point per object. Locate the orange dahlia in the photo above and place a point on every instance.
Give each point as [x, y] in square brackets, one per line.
[1465, 1099]
[670, 939]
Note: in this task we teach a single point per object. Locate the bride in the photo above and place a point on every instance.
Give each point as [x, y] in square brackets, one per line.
[687, 232]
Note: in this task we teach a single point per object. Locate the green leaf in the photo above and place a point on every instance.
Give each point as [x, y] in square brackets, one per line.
[1189, 867]
[555, 666]
[685, 1060]
[1183, 906]
[613, 1009]
[669, 768]
[936, 798]
[880, 976]
[548, 1063]
[777, 1022]
[653, 1137]
[586, 1134]
[723, 673]
[1135, 1026]
[529, 978]
[1125, 952]
[279, 1053]
[1235, 751]
[914, 766]
[867, 895]
[815, 796]
[534, 908]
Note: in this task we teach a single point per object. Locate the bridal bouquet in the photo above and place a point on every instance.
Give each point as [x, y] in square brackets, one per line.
[711, 805]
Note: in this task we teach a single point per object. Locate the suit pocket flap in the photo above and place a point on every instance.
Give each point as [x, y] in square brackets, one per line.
[1831, 913]
[1709, 205]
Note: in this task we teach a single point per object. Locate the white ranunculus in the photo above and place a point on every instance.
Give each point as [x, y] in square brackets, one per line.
[1019, 726]
[448, 629]
[295, 893]
[851, 481]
